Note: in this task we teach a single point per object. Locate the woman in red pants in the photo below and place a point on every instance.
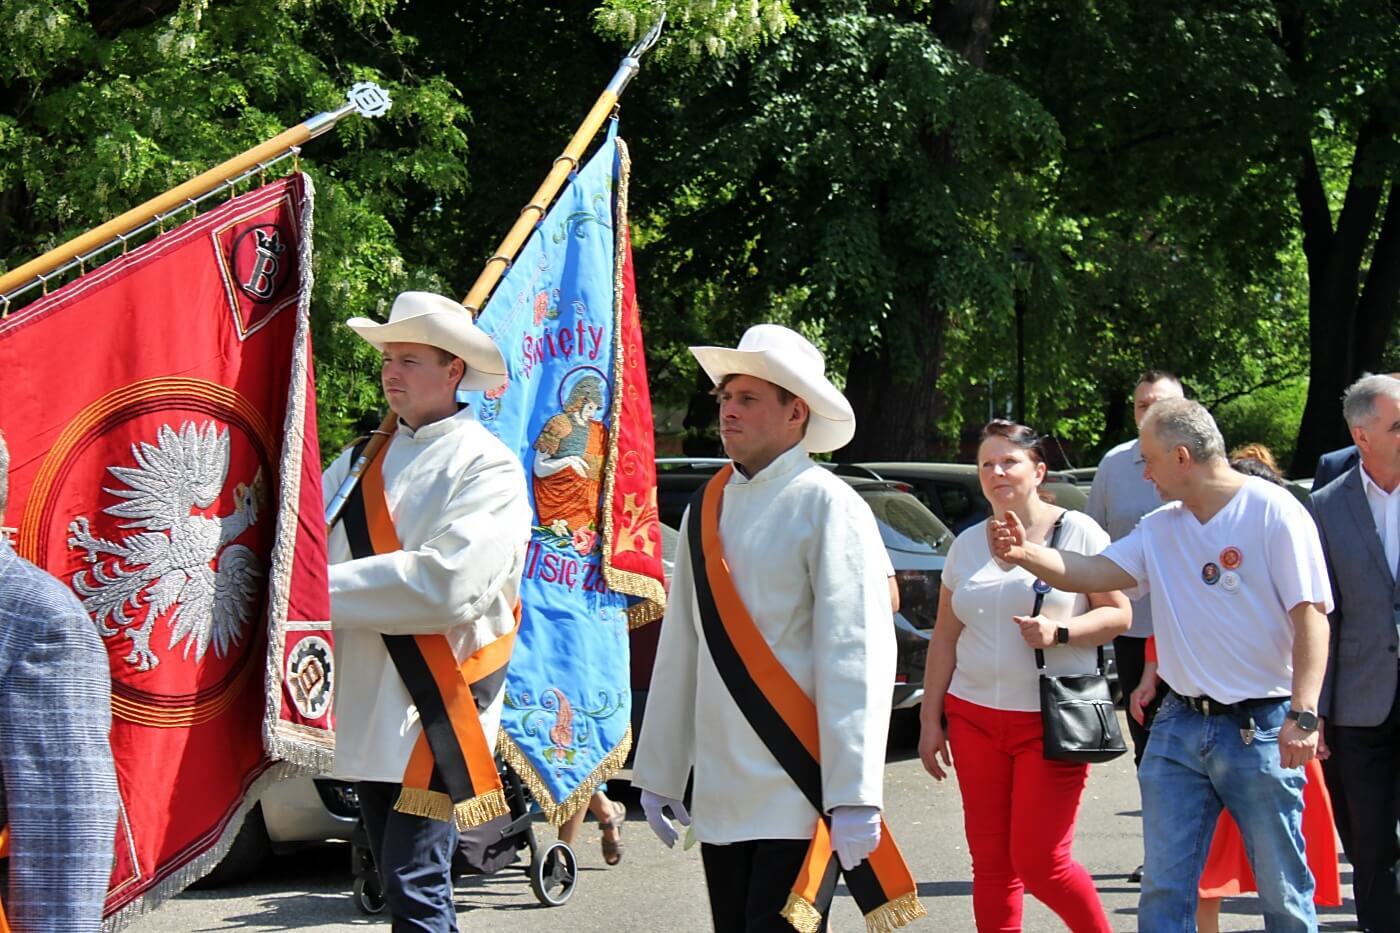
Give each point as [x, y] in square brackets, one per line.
[982, 701]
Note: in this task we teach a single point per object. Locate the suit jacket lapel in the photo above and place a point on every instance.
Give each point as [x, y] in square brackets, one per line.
[1355, 493]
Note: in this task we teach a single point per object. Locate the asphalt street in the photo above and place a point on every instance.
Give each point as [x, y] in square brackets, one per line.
[656, 889]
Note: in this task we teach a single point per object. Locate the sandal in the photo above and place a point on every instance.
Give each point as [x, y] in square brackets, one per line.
[612, 848]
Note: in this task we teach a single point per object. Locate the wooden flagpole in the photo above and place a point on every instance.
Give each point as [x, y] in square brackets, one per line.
[515, 238]
[368, 100]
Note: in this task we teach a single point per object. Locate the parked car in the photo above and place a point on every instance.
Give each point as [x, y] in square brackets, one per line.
[953, 492]
[290, 814]
[915, 540]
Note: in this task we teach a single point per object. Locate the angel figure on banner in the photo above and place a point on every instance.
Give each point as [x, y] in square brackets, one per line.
[568, 469]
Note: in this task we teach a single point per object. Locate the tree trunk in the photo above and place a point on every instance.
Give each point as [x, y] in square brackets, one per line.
[895, 416]
[1349, 322]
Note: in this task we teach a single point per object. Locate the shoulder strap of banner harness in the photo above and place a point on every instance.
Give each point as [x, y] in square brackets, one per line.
[451, 773]
[785, 719]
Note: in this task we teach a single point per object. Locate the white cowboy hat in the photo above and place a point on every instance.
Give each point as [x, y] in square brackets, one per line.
[786, 358]
[423, 317]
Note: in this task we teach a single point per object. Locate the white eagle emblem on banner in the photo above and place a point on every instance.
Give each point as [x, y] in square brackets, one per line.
[171, 563]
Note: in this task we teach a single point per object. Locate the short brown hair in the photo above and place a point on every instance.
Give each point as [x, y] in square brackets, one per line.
[1150, 376]
[784, 396]
[1018, 434]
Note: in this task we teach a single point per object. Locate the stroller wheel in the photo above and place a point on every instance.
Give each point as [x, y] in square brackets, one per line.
[369, 896]
[553, 873]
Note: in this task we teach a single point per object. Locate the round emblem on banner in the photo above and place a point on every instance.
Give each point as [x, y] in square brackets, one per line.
[1041, 587]
[1231, 558]
[310, 676]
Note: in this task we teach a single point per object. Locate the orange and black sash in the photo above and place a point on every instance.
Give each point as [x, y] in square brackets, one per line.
[785, 719]
[451, 772]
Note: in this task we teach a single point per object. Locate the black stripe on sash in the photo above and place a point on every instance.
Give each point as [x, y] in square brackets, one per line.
[772, 730]
[448, 758]
[413, 670]
[352, 517]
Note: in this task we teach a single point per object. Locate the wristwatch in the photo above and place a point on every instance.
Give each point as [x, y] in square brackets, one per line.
[1062, 635]
[1305, 718]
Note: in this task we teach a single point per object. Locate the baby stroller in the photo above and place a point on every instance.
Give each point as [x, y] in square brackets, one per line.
[484, 850]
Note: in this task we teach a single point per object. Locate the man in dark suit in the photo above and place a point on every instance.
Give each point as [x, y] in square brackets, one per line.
[1358, 518]
[1333, 464]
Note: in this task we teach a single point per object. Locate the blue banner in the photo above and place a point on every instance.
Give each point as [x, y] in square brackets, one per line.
[566, 722]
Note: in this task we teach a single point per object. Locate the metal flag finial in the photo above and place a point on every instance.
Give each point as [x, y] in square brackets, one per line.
[369, 99]
[645, 43]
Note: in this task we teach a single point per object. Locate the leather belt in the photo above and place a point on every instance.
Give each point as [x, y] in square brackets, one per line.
[1207, 706]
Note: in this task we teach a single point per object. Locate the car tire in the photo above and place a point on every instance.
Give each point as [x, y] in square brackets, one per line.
[250, 850]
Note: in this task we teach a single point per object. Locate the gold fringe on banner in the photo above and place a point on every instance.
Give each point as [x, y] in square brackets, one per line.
[899, 912]
[558, 813]
[802, 915]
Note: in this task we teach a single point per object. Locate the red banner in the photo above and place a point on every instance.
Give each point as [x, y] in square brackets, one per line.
[632, 557]
[162, 425]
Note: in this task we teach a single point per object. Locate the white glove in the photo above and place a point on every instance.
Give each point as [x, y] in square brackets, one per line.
[855, 832]
[654, 806]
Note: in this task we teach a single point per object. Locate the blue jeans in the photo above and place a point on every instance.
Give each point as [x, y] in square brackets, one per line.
[1195, 764]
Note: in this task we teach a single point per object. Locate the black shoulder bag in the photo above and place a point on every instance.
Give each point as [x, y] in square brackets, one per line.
[1076, 710]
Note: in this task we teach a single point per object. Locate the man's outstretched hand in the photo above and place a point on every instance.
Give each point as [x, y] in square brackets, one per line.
[1009, 538]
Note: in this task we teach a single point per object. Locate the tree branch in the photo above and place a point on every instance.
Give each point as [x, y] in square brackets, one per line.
[1358, 214]
[1287, 376]
[1376, 310]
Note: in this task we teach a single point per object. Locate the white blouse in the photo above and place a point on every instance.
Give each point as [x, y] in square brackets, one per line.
[995, 666]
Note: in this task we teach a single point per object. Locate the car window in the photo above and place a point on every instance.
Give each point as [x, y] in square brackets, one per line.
[905, 523]
[958, 506]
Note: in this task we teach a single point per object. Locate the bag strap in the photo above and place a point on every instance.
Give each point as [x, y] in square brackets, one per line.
[1040, 601]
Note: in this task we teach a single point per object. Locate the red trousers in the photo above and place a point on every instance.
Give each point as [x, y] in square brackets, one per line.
[1018, 813]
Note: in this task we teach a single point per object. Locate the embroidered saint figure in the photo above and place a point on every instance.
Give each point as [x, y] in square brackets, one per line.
[569, 452]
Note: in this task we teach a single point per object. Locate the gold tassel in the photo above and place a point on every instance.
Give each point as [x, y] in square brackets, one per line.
[481, 809]
[899, 912]
[802, 915]
[419, 801]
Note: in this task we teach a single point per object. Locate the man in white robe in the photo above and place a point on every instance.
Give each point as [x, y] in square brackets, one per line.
[807, 562]
[458, 502]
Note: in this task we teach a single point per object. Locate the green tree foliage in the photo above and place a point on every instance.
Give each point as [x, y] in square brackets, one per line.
[1208, 188]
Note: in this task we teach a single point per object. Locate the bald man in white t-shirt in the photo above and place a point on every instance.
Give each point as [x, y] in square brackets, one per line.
[1239, 591]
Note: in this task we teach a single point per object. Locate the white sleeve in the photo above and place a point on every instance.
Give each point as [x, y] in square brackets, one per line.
[1296, 560]
[853, 641]
[666, 744]
[1130, 554]
[474, 551]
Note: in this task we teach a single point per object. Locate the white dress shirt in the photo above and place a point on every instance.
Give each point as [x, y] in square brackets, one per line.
[1385, 509]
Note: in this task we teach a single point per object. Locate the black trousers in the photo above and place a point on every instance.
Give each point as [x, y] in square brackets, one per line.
[413, 855]
[1366, 760]
[749, 883]
[1131, 656]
